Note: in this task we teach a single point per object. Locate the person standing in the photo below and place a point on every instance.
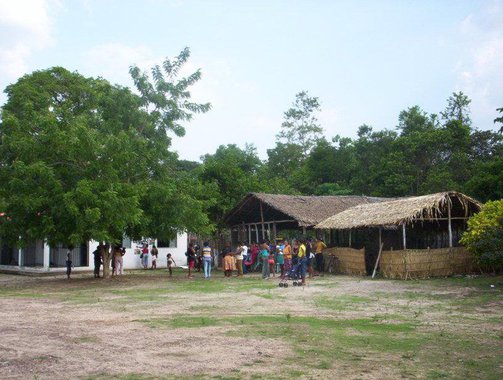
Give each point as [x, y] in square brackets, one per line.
[254, 250]
[69, 264]
[154, 253]
[320, 246]
[280, 260]
[246, 258]
[97, 260]
[264, 256]
[287, 256]
[228, 258]
[144, 256]
[191, 259]
[207, 257]
[238, 256]
[295, 252]
[170, 262]
[302, 260]
[119, 261]
[309, 257]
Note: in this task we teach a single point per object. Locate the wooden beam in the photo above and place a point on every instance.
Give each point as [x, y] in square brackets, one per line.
[378, 258]
[262, 220]
[404, 237]
[449, 226]
[255, 223]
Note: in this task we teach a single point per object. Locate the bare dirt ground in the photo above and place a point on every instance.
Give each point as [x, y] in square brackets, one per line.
[133, 327]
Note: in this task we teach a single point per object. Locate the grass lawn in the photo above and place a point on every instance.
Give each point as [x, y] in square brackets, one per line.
[145, 325]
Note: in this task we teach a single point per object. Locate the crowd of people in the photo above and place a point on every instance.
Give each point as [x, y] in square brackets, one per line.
[271, 258]
[275, 258]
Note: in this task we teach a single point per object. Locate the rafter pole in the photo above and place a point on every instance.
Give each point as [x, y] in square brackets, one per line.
[262, 220]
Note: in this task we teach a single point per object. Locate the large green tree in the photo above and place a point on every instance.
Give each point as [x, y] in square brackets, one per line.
[82, 159]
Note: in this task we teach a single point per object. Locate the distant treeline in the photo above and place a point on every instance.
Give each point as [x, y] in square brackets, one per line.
[425, 153]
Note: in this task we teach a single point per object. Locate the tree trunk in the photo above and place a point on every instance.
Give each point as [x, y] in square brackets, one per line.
[106, 257]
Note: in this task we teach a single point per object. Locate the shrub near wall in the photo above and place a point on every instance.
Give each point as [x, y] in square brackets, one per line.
[425, 263]
[349, 260]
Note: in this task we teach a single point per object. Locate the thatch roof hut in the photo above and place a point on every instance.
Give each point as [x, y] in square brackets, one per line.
[292, 210]
[417, 236]
[432, 207]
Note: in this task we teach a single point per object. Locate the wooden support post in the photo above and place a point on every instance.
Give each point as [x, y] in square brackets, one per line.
[378, 258]
[380, 236]
[262, 220]
[404, 237]
[349, 238]
[249, 234]
[256, 233]
[449, 224]
[274, 232]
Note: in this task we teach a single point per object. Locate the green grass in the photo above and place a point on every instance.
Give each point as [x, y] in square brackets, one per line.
[441, 328]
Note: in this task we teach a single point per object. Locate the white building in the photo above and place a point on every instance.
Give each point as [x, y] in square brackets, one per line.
[40, 257]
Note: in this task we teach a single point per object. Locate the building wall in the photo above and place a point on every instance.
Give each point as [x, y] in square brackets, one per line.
[132, 260]
[39, 257]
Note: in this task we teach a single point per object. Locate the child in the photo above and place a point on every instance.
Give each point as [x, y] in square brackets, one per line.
[272, 265]
[170, 264]
[69, 265]
[154, 252]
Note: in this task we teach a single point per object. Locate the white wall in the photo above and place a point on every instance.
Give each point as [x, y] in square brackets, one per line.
[132, 261]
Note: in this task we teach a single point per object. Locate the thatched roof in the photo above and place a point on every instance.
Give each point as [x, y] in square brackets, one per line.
[403, 211]
[306, 211]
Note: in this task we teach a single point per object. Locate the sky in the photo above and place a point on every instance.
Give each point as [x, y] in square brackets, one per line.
[365, 60]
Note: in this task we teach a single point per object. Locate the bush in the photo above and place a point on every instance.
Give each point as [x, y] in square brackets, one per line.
[484, 237]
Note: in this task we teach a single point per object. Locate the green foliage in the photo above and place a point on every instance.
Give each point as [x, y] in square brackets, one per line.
[484, 236]
[458, 108]
[300, 126]
[229, 174]
[500, 119]
[82, 159]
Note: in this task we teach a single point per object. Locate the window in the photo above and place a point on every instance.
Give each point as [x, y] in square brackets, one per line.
[126, 242]
[167, 244]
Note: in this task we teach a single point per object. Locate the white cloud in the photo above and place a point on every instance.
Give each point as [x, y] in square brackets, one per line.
[480, 75]
[26, 28]
[28, 18]
[112, 61]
